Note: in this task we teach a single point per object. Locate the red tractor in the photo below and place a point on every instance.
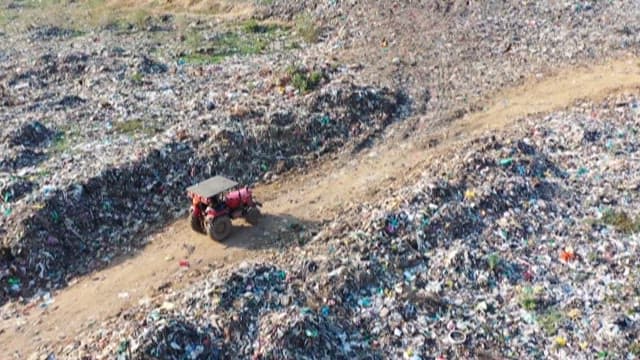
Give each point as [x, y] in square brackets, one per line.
[212, 210]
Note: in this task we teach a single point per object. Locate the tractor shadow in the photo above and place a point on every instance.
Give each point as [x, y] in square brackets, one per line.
[272, 231]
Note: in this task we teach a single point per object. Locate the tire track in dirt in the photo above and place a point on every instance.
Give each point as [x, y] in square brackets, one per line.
[309, 198]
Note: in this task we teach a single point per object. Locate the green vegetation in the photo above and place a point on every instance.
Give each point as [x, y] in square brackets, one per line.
[248, 38]
[529, 303]
[550, 322]
[493, 261]
[193, 39]
[61, 142]
[254, 27]
[7, 17]
[530, 300]
[129, 126]
[136, 78]
[135, 126]
[621, 221]
[307, 29]
[139, 18]
[304, 81]
[225, 45]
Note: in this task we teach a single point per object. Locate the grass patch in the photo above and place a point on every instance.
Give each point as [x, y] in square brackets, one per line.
[254, 27]
[61, 142]
[621, 221]
[528, 300]
[7, 17]
[493, 261]
[193, 39]
[203, 59]
[307, 29]
[136, 78]
[135, 126]
[129, 126]
[245, 38]
[119, 20]
[80, 15]
[550, 322]
[139, 18]
[222, 46]
[235, 44]
[304, 81]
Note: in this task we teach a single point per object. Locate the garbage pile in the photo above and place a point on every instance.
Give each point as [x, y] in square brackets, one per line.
[174, 339]
[24, 146]
[121, 202]
[523, 243]
[137, 110]
[128, 121]
[466, 49]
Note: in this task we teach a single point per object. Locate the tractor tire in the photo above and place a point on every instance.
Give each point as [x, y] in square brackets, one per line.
[220, 228]
[252, 215]
[196, 224]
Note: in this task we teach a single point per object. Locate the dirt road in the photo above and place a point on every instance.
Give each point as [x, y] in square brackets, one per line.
[316, 195]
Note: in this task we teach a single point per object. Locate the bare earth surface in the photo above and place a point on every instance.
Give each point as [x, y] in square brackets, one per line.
[309, 198]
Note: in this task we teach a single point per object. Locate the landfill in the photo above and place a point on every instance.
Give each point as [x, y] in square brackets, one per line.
[96, 127]
[522, 243]
[109, 196]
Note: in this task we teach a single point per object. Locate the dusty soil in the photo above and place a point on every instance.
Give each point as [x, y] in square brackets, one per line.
[309, 198]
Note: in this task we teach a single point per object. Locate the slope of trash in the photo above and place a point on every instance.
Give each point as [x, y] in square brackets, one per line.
[104, 129]
[76, 193]
[521, 243]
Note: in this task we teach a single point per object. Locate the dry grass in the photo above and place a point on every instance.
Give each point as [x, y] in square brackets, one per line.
[84, 15]
[622, 221]
[220, 8]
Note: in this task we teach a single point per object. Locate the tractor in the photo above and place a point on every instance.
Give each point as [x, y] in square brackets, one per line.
[213, 206]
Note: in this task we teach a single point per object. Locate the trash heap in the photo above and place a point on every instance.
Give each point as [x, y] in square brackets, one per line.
[111, 208]
[525, 243]
[103, 130]
[25, 147]
[466, 49]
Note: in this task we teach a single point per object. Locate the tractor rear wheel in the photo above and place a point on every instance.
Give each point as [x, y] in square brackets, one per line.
[220, 228]
[252, 215]
[196, 223]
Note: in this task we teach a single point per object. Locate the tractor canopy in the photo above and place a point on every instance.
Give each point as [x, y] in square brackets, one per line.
[211, 187]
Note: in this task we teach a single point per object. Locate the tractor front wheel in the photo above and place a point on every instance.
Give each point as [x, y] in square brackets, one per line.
[220, 228]
[252, 215]
[196, 223]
